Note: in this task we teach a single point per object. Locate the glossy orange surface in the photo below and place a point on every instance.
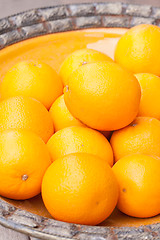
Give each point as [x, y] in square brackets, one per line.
[52, 49]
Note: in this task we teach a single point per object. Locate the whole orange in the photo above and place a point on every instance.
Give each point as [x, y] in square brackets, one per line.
[79, 58]
[32, 79]
[141, 136]
[150, 97]
[24, 159]
[26, 113]
[138, 177]
[137, 50]
[61, 116]
[79, 139]
[103, 96]
[80, 188]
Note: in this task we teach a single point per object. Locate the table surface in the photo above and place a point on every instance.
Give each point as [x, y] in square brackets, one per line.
[9, 7]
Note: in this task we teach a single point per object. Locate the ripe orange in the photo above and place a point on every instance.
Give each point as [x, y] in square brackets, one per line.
[80, 188]
[79, 58]
[61, 116]
[137, 50]
[139, 181]
[24, 159]
[103, 96]
[150, 97]
[26, 113]
[79, 139]
[141, 136]
[32, 79]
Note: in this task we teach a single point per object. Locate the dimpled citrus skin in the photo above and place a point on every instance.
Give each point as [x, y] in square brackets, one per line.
[61, 116]
[32, 79]
[103, 96]
[138, 177]
[141, 136]
[24, 158]
[80, 188]
[150, 97]
[137, 50]
[79, 139]
[26, 113]
[77, 59]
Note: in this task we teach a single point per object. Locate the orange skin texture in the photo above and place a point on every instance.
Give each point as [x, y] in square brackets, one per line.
[80, 139]
[150, 97]
[142, 136]
[80, 188]
[32, 79]
[77, 59]
[103, 96]
[138, 177]
[61, 116]
[137, 50]
[22, 153]
[26, 113]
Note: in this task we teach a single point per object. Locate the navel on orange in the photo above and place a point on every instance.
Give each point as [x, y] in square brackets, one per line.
[138, 177]
[24, 158]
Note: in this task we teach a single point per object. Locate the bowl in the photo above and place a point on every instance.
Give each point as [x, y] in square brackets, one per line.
[21, 215]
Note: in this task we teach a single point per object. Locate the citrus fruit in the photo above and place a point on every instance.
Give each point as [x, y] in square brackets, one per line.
[103, 96]
[138, 177]
[33, 79]
[79, 58]
[26, 113]
[137, 50]
[141, 136]
[61, 116]
[80, 188]
[79, 139]
[24, 159]
[150, 97]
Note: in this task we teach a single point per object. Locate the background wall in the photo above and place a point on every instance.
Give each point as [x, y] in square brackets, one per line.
[8, 7]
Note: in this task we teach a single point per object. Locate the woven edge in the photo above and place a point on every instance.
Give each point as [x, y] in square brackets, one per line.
[37, 22]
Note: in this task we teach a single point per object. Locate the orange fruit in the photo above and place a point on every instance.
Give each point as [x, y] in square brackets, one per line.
[103, 96]
[79, 58]
[80, 188]
[150, 97]
[141, 136]
[24, 159]
[61, 116]
[138, 177]
[137, 50]
[26, 113]
[79, 139]
[32, 79]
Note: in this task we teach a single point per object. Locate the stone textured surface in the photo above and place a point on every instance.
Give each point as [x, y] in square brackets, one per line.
[109, 8]
[57, 19]
[138, 10]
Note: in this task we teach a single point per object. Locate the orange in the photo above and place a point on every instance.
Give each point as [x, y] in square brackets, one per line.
[138, 49]
[24, 159]
[80, 188]
[61, 116]
[139, 182]
[26, 113]
[150, 97]
[141, 136]
[79, 139]
[79, 58]
[103, 96]
[32, 79]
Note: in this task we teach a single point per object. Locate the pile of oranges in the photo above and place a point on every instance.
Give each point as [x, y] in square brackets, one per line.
[95, 147]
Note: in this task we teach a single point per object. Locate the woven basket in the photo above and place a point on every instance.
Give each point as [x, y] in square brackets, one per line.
[62, 18]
